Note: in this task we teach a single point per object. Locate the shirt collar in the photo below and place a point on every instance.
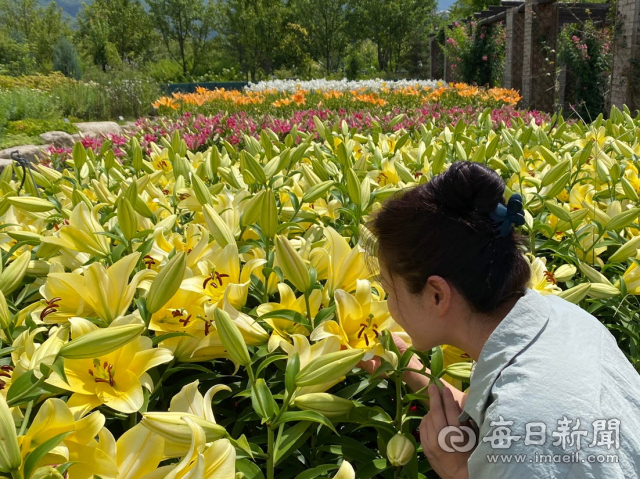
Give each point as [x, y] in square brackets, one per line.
[515, 332]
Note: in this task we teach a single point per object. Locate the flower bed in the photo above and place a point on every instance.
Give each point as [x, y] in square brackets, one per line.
[169, 313]
[280, 99]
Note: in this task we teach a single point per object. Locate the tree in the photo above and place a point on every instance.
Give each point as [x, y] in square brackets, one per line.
[390, 24]
[326, 23]
[252, 30]
[65, 58]
[187, 27]
[36, 28]
[123, 25]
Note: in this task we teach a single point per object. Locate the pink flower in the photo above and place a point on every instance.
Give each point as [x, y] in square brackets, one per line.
[484, 58]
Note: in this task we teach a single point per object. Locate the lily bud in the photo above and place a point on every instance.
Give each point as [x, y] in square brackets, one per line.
[172, 427]
[127, 218]
[219, 229]
[253, 209]
[292, 264]
[26, 236]
[100, 342]
[353, 187]
[564, 272]
[268, 219]
[10, 457]
[167, 282]
[5, 314]
[31, 204]
[623, 219]
[11, 277]
[324, 403]
[328, 367]
[203, 195]
[231, 338]
[400, 450]
[38, 267]
[460, 371]
[317, 191]
[602, 291]
[47, 472]
[576, 294]
[593, 275]
[625, 251]
[346, 471]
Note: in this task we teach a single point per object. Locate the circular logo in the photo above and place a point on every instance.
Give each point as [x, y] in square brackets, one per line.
[458, 440]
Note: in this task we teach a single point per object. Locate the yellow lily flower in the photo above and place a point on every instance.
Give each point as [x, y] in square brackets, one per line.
[180, 313]
[360, 319]
[541, 280]
[219, 273]
[107, 293]
[82, 233]
[347, 264]
[115, 379]
[189, 402]
[79, 446]
[631, 278]
[283, 328]
[138, 453]
[213, 461]
[308, 352]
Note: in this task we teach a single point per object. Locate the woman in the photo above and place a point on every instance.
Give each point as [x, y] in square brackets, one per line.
[551, 395]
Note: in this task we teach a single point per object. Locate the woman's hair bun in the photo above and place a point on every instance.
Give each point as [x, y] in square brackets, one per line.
[468, 188]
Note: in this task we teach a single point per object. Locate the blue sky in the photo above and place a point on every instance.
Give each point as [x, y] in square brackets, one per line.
[444, 4]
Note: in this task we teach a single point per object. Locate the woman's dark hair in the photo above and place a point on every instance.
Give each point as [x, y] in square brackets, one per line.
[443, 228]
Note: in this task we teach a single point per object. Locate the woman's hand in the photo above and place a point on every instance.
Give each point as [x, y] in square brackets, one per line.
[444, 412]
[415, 381]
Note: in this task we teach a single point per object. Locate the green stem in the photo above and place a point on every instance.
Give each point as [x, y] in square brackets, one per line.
[25, 421]
[306, 302]
[398, 420]
[271, 452]
[17, 474]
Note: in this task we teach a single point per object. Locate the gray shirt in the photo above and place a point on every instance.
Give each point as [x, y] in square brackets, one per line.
[551, 364]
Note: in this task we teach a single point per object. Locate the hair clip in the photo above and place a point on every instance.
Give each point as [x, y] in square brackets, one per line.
[504, 216]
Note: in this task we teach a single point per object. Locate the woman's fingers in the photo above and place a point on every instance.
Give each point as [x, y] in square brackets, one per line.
[400, 344]
[451, 408]
[436, 409]
[371, 365]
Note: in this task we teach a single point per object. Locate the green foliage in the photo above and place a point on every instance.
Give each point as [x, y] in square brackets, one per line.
[186, 27]
[125, 92]
[9, 141]
[34, 127]
[36, 82]
[24, 103]
[65, 58]
[116, 31]
[586, 52]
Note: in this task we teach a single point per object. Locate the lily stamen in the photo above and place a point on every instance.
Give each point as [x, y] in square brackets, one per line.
[104, 373]
[52, 307]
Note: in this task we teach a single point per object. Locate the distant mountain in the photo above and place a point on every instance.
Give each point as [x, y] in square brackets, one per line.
[70, 7]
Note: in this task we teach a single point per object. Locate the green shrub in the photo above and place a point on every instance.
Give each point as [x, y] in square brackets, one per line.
[9, 141]
[26, 103]
[34, 127]
[118, 93]
[36, 82]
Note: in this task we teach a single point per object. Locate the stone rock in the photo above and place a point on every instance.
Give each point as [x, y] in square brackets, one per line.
[31, 153]
[4, 162]
[99, 128]
[60, 139]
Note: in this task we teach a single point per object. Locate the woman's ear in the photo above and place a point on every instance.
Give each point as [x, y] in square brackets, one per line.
[438, 294]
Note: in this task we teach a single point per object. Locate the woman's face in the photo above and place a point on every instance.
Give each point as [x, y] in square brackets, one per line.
[411, 311]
